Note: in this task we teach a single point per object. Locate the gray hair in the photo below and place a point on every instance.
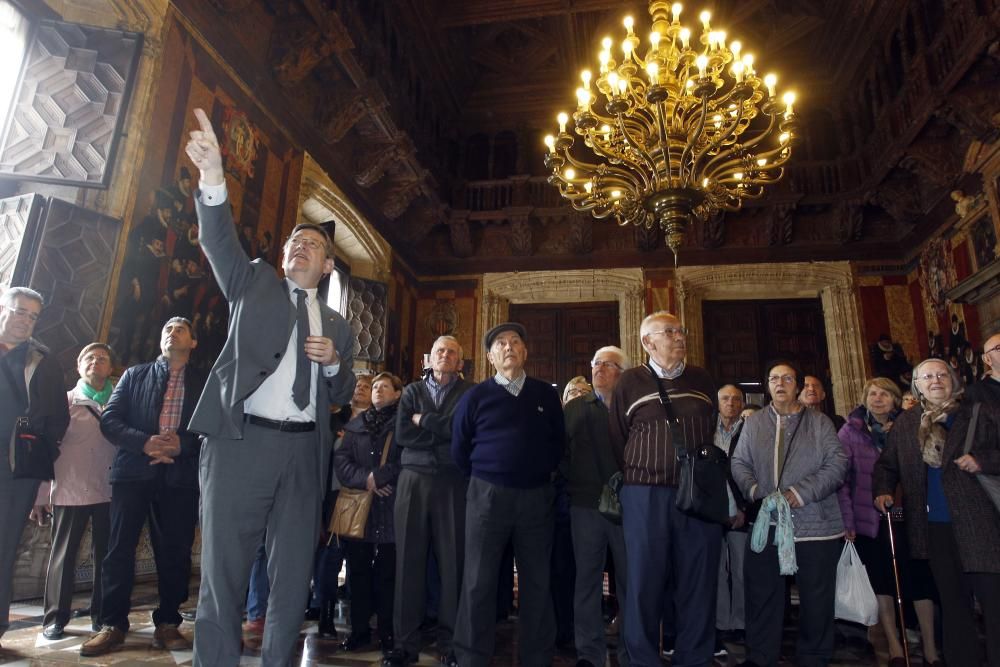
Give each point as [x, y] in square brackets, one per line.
[652, 317]
[13, 292]
[957, 386]
[623, 359]
[448, 338]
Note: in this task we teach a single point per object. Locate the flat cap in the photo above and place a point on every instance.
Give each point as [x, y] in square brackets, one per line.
[500, 328]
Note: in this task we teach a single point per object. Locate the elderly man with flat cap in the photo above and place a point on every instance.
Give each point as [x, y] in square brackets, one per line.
[508, 434]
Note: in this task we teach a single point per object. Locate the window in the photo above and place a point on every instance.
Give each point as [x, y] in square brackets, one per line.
[336, 297]
[13, 45]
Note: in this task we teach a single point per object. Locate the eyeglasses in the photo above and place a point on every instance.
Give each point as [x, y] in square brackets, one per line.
[783, 379]
[599, 363]
[671, 332]
[992, 349]
[927, 377]
[304, 242]
[97, 359]
[23, 313]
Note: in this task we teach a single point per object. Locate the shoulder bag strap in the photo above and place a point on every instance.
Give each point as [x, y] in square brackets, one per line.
[385, 449]
[970, 434]
[788, 447]
[676, 433]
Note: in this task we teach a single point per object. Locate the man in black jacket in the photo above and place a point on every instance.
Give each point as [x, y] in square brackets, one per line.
[32, 385]
[430, 503]
[154, 475]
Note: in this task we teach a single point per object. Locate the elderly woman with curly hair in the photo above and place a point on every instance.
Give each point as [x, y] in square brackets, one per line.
[863, 437]
[950, 519]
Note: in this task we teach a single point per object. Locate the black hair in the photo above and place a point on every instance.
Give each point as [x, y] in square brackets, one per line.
[799, 376]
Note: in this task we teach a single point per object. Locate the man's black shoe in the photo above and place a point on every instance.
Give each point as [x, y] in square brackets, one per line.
[720, 649]
[356, 642]
[82, 611]
[54, 631]
[398, 658]
[327, 616]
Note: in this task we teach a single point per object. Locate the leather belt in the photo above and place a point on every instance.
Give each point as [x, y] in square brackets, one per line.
[274, 424]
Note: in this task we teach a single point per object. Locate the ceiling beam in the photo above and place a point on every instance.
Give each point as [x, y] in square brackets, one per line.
[458, 13]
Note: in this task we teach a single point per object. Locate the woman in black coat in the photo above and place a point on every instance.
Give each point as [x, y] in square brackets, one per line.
[371, 560]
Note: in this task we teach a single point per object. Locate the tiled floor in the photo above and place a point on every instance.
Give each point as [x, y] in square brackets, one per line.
[24, 646]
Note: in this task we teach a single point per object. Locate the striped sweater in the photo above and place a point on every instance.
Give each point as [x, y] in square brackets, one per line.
[640, 435]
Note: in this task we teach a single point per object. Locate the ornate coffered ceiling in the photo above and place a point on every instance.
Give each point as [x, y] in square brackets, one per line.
[428, 115]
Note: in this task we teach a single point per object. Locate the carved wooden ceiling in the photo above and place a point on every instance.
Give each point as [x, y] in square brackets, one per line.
[429, 114]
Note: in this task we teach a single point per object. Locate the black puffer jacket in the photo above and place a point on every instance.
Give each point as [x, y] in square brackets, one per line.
[133, 415]
[360, 455]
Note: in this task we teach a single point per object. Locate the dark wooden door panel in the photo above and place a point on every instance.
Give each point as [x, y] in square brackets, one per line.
[562, 337]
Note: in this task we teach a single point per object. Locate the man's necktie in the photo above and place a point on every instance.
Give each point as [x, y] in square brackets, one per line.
[300, 389]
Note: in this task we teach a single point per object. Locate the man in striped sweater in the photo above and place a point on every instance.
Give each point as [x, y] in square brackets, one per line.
[673, 559]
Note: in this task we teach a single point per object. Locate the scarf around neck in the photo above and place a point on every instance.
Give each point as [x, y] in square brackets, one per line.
[932, 432]
[98, 396]
[375, 420]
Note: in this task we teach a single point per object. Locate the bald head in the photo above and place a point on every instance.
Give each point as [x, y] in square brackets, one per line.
[991, 355]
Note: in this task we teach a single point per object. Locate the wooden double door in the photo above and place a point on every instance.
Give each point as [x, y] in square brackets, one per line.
[562, 337]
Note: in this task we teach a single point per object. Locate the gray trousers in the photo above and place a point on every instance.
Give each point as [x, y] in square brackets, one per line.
[592, 536]
[729, 605]
[17, 497]
[429, 514]
[265, 482]
[68, 525]
[493, 516]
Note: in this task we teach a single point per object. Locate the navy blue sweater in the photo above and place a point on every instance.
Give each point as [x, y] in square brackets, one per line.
[514, 441]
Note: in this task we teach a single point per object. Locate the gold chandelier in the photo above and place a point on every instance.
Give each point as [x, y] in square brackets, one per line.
[686, 132]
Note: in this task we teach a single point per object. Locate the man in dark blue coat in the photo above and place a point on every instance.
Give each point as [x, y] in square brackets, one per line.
[154, 475]
[508, 434]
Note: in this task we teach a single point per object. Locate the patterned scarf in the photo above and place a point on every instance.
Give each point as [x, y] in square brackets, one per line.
[932, 432]
[376, 420]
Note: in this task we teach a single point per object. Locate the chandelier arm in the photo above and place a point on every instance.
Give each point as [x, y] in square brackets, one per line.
[664, 143]
[760, 137]
[718, 142]
[636, 166]
[691, 140]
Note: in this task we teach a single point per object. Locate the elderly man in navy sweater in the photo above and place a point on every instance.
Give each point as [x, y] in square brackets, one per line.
[508, 434]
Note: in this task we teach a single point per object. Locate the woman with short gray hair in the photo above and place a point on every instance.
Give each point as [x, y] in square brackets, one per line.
[950, 519]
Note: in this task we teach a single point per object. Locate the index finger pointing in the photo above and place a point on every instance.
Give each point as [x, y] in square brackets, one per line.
[203, 122]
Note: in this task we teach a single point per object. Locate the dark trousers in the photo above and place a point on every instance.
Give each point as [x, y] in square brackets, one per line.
[956, 588]
[68, 525]
[563, 578]
[172, 513]
[16, 499]
[429, 517]
[671, 557]
[765, 602]
[493, 515]
[372, 570]
[266, 482]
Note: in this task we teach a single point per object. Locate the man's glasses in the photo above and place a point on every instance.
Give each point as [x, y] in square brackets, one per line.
[993, 349]
[783, 379]
[927, 377]
[311, 244]
[24, 314]
[599, 363]
[671, 332]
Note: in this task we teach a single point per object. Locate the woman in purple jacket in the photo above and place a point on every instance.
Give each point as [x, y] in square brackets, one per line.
[863, 437]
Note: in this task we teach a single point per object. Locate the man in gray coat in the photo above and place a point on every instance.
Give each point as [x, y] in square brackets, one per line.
[265, 412]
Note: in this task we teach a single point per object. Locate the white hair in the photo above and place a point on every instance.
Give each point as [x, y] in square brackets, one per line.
[12, 293]
[623, 359]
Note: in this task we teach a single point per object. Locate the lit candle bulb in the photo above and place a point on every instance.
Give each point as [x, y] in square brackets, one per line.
[588, 186]
[550, 141]
[604, 57]
[702, 63]
[652, 69]
[771, 81]
[762, 162]
[613, 82]
[615, 194]
[622, 86]
[736, 47]
[606, 43]
[705, 17]
[563, 119]
[738, 175]
[570, 174]
[585, 77]
[704, 182]
[675, 10]
[783, 138]
[748, 63]
[583, 98]
[654, 40]
[606, 130]
[685, 35]
[627, 48]
[628, 24]
[789, 99]
[720, 39]
[738, 71]
[712, 38]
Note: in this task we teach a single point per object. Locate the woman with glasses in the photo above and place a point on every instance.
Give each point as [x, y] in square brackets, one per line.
[863, 438]
[788, 454]
[575, 388]
[950, 519]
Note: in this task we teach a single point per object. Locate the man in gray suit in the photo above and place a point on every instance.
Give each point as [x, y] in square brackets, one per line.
[265, 412]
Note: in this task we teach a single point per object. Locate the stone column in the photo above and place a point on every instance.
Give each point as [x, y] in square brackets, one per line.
[493, 310]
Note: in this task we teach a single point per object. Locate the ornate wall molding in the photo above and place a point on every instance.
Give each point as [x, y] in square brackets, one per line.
[832, 282]
[625, 286]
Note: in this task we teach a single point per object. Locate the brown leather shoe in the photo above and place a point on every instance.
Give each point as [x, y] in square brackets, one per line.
[106, 639]
[167, 636]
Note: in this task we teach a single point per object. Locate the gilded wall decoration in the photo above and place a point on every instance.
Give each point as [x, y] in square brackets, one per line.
[937, 274]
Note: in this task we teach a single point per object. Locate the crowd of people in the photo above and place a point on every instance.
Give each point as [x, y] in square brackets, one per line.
[466, 478]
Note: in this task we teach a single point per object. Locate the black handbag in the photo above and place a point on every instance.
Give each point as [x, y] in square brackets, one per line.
[609, 505]
[30, 456]
[703, 471]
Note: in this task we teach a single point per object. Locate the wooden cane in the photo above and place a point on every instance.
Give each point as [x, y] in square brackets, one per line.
[899, 588]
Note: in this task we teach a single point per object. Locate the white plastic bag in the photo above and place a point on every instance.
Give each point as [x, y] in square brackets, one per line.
[856, 600]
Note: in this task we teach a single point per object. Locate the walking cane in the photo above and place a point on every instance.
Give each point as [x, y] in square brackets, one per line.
[899, 587]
